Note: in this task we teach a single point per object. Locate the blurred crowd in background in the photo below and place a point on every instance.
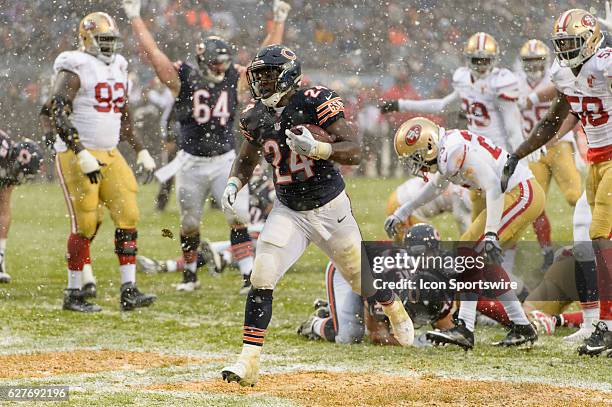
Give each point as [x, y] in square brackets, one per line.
[363, 49]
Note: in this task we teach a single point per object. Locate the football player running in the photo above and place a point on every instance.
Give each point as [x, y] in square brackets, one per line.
[582, 74]
[464, 158]
[206, 101]
[88, 111]
[311, 204]
[485, 93]
[556, 159]
[19, 162]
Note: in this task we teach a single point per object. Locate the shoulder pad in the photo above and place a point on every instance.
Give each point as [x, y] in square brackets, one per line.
[256, 122]
[505, 84]
[461, 75]
[69, 61]
[453, 154]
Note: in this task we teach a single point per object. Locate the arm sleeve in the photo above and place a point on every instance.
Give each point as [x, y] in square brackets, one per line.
[444, 105]
[433, 188]
[511, 117]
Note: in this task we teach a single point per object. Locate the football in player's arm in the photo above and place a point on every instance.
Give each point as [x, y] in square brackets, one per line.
[19, 162]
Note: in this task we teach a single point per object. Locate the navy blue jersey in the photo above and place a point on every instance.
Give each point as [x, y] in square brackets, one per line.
[6, 147]
[205, 112]
[301, 183]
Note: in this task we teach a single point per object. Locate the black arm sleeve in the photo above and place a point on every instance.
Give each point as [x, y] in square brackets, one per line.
[61, 108]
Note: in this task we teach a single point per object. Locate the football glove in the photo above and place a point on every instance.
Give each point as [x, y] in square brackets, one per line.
[49, 139]
[281, 10]
[131, 8]
[386, 106]
[90, 166]
[509, 168]
[229, 195]
[146, 165]
[492, 249]
[305, 144]
[391, 224]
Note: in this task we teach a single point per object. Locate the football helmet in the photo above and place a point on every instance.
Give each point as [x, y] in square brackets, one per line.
[422, 238]
[481, 52]
[99, 36]
[534, 59]
[416, 143]
[214, 57]
[26, 159]
[273, 72]
[576, 36]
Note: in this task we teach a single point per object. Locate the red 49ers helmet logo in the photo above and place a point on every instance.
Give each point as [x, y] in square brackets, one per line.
[89, 25]
[588, 20]
[413, 134]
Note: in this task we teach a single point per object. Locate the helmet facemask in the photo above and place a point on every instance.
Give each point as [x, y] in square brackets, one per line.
[480, 66]
[213, 67]
[104, 46]
[534, 68]
[419, 165]
[570, 50]
[271, 83]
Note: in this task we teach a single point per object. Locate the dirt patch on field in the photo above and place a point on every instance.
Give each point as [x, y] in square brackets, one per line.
[84, 361]
[354, 389]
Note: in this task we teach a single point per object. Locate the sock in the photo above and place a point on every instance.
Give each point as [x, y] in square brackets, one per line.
[88, 274]
[128, 273]
[324, 328]
[467, 309]
[493, 309]
[590, 312]
[585, 274]
[603, 256]
[317, 327]
[572, 319]
[193, 266]
[78, 252]
[201, 261]
[542, 229]
[257, 315]
[242, 250]
[175, 265]
[513, 308]
[2, 247]
[190, 245]
[227, 256]
[221, 245]
[75, 279]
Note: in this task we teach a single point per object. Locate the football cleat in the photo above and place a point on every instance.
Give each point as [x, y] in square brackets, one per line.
[321, 308]
[5, 278]
[599, 342]
[214, 262]
[132, 298]
[458, 335]
[246, 285]
[150, 266]
[190, 282]
[306, 329]
[245, 371]
[74, 301]
[401, 324]
[580, 335]
[518, 335]
[544, 323]
[89, 290]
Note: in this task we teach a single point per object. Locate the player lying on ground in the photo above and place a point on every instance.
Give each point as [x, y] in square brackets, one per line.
[87, 115]
[464, 158]
[19, 162]
[206, 104]
[582, 74]
[311, 204]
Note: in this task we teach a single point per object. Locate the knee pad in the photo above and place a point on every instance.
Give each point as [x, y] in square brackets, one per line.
[264, 272]
[125, 242]
[348, 260]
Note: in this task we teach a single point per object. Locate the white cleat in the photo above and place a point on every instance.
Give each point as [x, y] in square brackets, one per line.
[580, 335]
[543, 322]
[149, 266]
[5, 278]
[188, 287]
[401, 324]
[244, 372]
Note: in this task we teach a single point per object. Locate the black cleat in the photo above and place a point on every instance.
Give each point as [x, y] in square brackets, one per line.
[246, 284]
[599, 342]
[214, 261]
[458, 335]
[132, 298]
[74, 301]
[518, 335]
[89, 290]
[321, 308]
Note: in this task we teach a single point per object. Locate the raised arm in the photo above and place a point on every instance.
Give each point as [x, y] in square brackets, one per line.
[444, 105]
[164, 68]
[276, 33]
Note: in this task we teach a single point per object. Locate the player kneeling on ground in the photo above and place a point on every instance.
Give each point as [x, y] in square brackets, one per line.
[464, 158]
[19, 162]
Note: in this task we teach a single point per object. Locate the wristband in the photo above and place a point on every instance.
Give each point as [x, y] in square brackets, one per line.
[533, 97]
[236, 182]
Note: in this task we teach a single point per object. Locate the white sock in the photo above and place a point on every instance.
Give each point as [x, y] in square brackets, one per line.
[246, 265]
[171, 266]
[128, 273]
[227, 256]
[75, 279]
[589, 316]
[316, 327]
[513, 308]
[191, 266]
[88, 274]
[467, 309]
[2, 246]
[250, 350]
[221, 246]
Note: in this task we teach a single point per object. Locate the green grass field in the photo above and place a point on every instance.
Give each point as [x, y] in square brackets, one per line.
[189, 337]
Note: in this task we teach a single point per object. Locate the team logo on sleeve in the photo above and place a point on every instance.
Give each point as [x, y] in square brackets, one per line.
[413, 134]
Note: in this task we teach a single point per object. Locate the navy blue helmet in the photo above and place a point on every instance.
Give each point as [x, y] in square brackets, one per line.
[422, 238]
[214, 56]
[26, 159]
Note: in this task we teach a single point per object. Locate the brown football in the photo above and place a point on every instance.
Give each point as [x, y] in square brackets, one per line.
[318, 133]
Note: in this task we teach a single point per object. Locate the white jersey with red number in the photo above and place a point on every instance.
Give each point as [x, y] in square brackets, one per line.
[590, 98]
[96, 109]
[532, 116]
[461, 151]
[480, 101]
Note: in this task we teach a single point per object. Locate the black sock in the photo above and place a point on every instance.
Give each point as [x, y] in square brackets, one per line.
[586, 280]
[257, 315]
